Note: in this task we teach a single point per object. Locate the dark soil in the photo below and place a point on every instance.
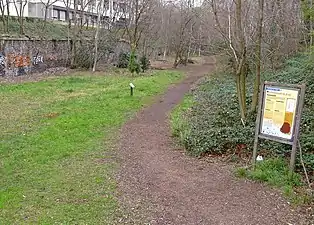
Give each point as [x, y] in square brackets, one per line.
[159, 184]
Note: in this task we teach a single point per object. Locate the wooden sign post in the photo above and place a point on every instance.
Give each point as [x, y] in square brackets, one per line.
[279, 115]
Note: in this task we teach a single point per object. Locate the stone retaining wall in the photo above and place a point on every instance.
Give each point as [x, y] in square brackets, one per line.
[21, 56]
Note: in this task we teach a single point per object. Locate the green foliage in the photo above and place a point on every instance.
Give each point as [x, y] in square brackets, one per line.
[84, 57]
[179, 126]
[214, 124]
[134, 66]
[275, 172]
[56, 167]
[241, 172]
[214, 119]
[308, 11]
[123, 60]
[129, 60]
[145, 63]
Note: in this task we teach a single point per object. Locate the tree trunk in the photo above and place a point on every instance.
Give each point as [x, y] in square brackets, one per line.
[74, 37]
[21, 25]
[68, 31]
[258, 56]
[238, 85]
[165, 54]
[311, 25]
[97, 35]
[21, 19]
[4, 23]
[45, 19]
[176, 60]
[241, 76]
[243, 85]
[8, 16]
[200, 40]
[3, 19]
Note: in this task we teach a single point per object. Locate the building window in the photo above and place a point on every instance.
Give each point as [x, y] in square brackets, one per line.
[55, 14]
[62, 15]
[115, 5]
[122, 7]
[106, 4]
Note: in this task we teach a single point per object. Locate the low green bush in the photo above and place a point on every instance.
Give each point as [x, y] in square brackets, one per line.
[130, 61]
[145, 63]
[214, 123]
[215, 126]
[123, 60]
[134, 66]
[84, 59]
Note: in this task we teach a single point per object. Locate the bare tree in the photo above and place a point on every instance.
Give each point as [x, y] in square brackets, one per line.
[258, 55]
[100, 11]
[74, 37]
[4, 8]
[139, 13]
[84, 5]
[183, 20]
[47, 4]
[237, 44]
[20, 7]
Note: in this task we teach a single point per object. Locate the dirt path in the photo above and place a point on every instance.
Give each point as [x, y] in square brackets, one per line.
[161, 185]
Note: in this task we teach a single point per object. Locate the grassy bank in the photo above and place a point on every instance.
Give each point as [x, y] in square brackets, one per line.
[37, 28]
[55, 160]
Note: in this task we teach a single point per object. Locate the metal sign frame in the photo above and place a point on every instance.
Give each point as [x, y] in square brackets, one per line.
[297, 119]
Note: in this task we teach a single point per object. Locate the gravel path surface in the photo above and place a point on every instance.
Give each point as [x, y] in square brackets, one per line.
[159, 184]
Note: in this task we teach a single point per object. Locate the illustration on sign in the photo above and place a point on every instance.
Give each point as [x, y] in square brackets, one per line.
[280, 106]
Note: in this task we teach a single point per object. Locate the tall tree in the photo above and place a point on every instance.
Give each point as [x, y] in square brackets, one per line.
[47, 4]
[5, 9]
[75, 34]
[258, 55]
[139, 14]
[183, 21]
[238, 47]
[100, 12]
[19, 6]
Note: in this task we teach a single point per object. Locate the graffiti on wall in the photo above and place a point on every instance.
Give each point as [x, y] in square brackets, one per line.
[2, 64]
[38, 59]
[19, 64]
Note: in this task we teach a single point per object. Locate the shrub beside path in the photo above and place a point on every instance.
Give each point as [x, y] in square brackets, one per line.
[158, 184]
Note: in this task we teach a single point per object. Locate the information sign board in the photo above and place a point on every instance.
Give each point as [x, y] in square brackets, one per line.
[279, 111]
[279, 115]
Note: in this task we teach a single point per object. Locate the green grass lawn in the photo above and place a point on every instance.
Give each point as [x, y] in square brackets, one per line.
[55, 160]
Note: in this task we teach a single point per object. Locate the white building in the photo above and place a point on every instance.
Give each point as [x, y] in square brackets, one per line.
[114, 11]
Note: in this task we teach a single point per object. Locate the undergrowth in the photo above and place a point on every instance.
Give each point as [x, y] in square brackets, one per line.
[180, 127]
[275, 172]
[214, 126]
